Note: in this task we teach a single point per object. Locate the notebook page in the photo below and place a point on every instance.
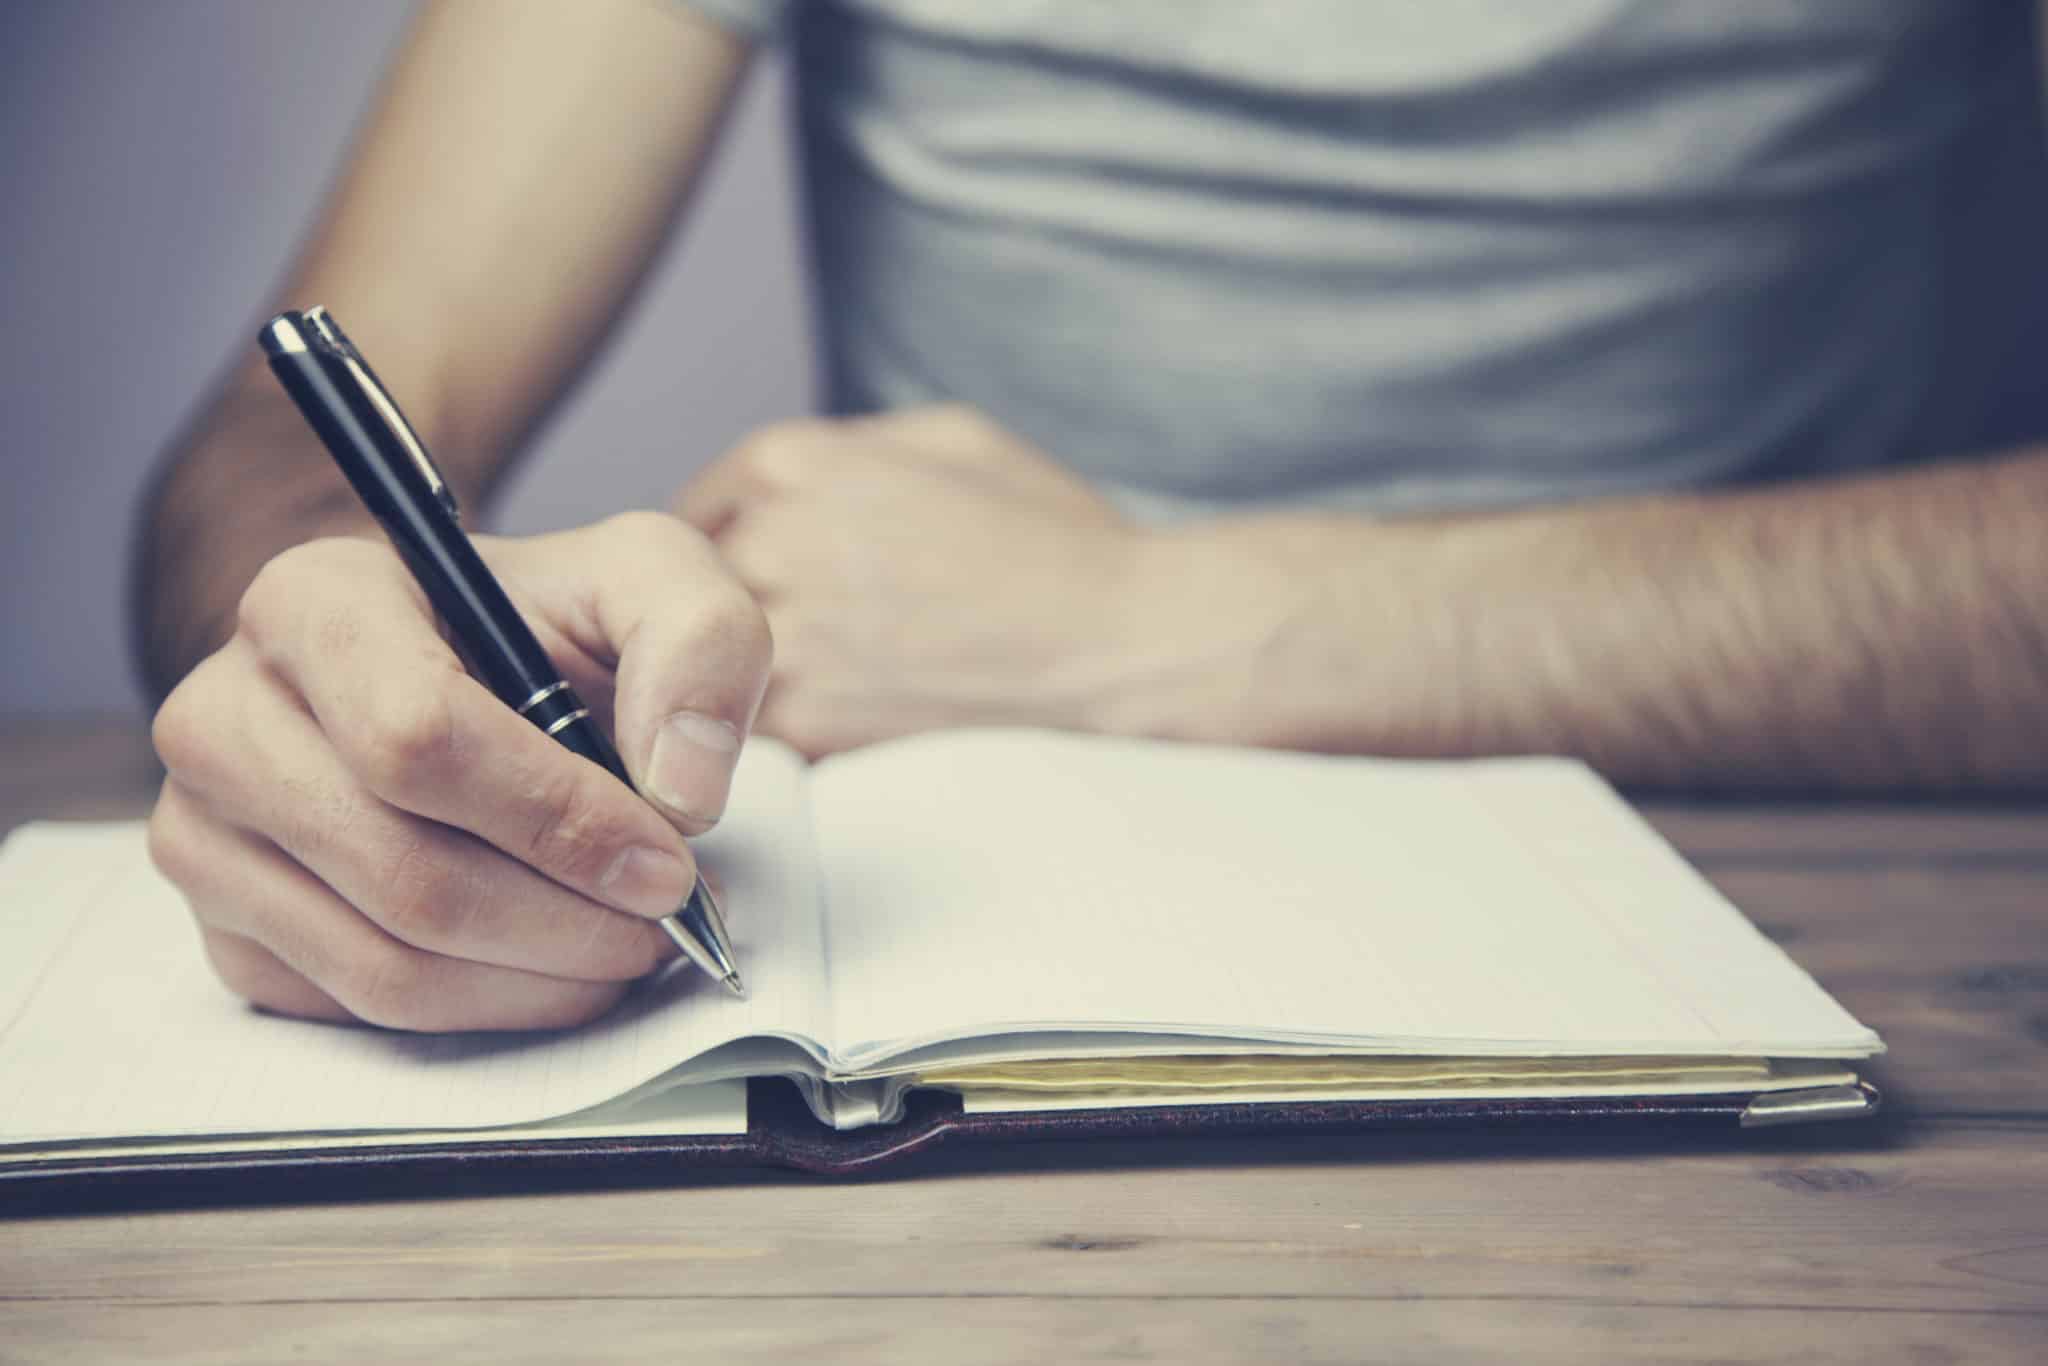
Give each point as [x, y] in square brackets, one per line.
[119, 1028]
[712, 1107]
[983, 883]
[1727, 972]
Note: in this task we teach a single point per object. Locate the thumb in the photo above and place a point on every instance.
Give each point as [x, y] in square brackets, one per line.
[690, 650]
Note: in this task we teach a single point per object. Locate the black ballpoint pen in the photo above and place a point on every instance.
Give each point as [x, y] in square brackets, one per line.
[382, 457]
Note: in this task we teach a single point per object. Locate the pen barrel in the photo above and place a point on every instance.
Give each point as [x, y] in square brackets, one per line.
[563, 716]
[389, 468]
[497, 645]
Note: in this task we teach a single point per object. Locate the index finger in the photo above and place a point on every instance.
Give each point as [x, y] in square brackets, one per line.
[354, 641]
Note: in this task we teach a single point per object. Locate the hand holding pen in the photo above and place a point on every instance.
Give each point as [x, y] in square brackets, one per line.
[364, 830]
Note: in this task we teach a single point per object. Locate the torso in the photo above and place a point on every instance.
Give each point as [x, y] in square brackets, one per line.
[1455, 253]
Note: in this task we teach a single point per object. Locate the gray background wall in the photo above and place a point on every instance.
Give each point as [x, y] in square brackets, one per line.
[158, 159]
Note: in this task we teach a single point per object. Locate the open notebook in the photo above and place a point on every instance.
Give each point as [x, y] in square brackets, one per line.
[1036, 922]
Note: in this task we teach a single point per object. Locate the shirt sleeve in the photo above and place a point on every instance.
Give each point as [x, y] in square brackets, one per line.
[763, 20]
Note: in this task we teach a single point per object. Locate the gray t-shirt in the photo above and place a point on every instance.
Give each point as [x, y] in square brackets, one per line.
[1396, 254]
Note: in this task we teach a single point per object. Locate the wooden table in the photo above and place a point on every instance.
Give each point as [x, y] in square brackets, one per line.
[1920, 1238]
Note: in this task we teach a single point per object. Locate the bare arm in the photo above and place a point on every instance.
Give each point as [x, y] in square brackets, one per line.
[361, 831]
[1881, 633]
[1885, 633]
[515, 180]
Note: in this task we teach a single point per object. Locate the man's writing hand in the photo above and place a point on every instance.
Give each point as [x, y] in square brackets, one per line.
[365, 832]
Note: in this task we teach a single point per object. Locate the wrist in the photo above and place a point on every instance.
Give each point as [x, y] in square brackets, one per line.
[1294, 631]
[210, 522]
[1198, 625]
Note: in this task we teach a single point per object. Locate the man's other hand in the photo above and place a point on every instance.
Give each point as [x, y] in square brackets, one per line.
[920, 569]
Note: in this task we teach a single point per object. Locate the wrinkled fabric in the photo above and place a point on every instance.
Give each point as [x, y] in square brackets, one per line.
[1404, 254]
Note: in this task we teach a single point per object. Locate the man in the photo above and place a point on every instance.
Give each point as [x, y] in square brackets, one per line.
[1437, 379]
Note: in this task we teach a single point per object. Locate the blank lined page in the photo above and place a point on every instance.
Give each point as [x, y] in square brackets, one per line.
[111, 1023]
[1000, 881]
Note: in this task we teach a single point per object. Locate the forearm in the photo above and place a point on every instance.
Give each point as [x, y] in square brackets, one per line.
[513, 183]
[1885, 633]
[247, 480]
[516, 177]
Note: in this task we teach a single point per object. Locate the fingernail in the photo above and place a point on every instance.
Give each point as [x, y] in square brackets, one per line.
[646, 882]
[691, 768]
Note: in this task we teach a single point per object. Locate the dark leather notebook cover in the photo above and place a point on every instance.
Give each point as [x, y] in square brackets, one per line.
[782, 1133]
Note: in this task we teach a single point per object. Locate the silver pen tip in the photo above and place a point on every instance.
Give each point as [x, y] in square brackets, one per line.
[734, 985]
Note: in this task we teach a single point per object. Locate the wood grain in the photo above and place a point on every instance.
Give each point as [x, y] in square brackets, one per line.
[1024, 1330]
[1948, 962]
[74, 768]
[1867, 833]
[1939, 1218]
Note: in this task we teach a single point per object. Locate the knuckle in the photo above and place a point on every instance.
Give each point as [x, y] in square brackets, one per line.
[645, 527]
[176, 732]
[754, 558]
[336, 632]
[423, 900]
[412, 738]
[168, 840]
[280, 584]
[255, 608]
[186, 731]
[574, 827]
[778, 451]
[234, 969]
[274, 608]
[242, 967]
[388, 987]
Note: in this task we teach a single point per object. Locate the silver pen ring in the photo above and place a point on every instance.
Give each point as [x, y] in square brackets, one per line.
[561, 721]
[543, 695]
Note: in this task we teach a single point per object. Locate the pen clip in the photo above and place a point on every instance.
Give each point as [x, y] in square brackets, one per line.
[336, 343]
